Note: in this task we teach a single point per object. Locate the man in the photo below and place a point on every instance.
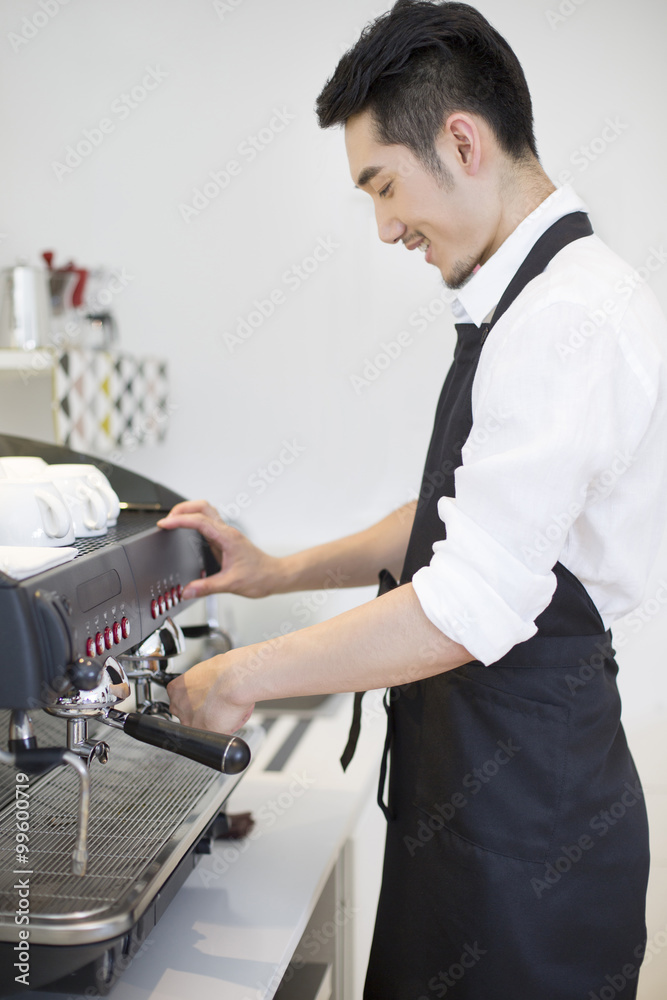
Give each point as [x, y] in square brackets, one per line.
[516, 859]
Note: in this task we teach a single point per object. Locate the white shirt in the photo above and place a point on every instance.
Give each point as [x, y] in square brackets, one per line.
[567, 456]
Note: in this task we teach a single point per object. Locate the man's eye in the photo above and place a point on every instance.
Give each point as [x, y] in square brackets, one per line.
[385, 190]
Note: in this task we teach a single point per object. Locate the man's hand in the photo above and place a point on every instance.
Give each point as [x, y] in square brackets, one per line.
[201, 697]
[244, 569]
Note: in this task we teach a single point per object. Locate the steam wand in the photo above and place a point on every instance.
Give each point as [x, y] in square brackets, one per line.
[38, 759]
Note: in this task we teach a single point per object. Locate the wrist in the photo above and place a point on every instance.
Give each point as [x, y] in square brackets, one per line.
[234, 682]
[285, 574]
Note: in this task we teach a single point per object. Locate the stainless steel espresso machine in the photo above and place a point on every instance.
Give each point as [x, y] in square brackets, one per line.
[102, 812]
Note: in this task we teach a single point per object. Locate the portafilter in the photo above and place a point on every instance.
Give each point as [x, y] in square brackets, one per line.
[228, 754]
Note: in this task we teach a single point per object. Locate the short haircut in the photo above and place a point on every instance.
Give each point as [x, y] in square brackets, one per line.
[418, 63]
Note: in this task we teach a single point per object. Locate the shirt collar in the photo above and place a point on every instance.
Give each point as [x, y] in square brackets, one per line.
[482, 293]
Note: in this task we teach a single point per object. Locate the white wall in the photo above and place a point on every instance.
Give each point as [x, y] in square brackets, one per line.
[226, 71]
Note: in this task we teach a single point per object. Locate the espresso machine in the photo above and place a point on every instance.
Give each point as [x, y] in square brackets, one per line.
[103, 812]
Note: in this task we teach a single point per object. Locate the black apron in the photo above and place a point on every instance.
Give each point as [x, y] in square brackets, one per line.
[516, 859]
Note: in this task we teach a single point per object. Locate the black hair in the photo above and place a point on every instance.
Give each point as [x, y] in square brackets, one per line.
[418, 63]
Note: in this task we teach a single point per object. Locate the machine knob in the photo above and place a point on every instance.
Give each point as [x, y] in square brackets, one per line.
[85, 673]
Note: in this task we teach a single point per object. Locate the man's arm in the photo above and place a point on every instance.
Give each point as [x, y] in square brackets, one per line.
[386, 642]
[355, 560]
[359, 557]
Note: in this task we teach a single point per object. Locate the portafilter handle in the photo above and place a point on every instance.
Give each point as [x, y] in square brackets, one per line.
[227, 754]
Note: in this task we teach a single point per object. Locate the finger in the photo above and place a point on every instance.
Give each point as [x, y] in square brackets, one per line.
[214, 584]
[211, 530]
[178, 702]
[194, 507]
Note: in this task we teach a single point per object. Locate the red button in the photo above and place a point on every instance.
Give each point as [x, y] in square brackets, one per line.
[167, 598]
[117, 633]
[108, 638]
[99, 643]
[155, 611]
[125, 627]
[90, 647]
[179, 591]
[174, 596]
[162, 603]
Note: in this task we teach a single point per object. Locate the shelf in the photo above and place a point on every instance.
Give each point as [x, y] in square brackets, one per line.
[39, 362]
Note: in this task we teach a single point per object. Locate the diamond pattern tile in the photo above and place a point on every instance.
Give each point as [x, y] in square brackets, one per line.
[105, 400]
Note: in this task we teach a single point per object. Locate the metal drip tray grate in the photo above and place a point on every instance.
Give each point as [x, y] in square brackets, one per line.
[130, 522]
[147, 808]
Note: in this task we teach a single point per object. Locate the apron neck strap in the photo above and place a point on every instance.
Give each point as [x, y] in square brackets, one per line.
[565, 230]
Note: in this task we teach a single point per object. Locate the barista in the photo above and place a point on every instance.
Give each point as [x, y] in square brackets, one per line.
[496, 645]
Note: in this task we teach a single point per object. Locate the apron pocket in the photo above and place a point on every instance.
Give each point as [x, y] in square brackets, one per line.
[491, 765]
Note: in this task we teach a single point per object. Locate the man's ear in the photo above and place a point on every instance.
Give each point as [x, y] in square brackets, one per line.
[462, 136]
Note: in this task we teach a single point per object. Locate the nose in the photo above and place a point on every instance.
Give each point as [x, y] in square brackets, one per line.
[390, 229]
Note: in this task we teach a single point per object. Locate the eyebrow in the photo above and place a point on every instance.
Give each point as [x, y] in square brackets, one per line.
[366, 175]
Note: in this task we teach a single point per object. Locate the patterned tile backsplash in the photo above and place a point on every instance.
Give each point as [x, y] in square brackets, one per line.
[109, 400]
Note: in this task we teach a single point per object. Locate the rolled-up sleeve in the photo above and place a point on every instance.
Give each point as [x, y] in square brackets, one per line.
[554, 428]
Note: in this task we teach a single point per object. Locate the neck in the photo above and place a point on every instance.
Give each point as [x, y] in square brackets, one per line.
[520, 191]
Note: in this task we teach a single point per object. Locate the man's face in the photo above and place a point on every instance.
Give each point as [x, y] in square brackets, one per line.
[412, 205]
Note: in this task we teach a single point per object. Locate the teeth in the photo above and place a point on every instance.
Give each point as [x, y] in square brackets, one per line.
[423, 246]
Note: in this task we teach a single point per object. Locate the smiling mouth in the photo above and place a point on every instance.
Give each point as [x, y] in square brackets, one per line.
[422, 244]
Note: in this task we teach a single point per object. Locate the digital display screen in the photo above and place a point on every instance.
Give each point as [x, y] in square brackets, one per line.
[98, 590]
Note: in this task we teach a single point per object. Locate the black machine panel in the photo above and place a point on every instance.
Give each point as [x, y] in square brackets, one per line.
[119, 588]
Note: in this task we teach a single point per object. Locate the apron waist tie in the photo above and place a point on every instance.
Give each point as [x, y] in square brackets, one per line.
[386, 701]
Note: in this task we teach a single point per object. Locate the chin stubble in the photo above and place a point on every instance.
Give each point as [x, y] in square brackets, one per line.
[461, 273]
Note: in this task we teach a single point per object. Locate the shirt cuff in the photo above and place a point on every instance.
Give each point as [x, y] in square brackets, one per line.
[476, 592]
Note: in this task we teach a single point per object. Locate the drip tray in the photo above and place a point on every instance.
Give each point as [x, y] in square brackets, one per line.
[148, 809]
